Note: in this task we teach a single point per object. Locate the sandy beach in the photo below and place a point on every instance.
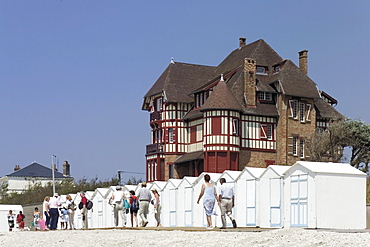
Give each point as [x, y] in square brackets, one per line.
[141, 238]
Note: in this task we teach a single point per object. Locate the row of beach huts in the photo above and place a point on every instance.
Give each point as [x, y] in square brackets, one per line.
[307, 194]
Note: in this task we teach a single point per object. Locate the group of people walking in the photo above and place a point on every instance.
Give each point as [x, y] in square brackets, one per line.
[136, 205]
[225, 200]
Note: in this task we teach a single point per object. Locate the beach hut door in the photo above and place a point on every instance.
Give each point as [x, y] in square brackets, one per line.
[188, 206]
[298, 200]
[275, 202]
[251, 202]
[173, 207]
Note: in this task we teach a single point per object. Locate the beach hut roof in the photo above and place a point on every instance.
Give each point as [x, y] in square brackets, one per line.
[159, 184]
[190, 180]
[255, 172]
[327, 167]
[278, 169]
[174, 181]
[232, 174]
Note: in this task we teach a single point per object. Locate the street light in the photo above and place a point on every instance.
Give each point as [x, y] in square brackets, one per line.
[119, 174]
[53, 157]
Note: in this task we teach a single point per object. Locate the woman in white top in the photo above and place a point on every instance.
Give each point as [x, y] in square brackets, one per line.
[71, 211]
[209, 199]
[157, 207]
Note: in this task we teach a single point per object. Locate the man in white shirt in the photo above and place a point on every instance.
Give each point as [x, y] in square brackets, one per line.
[226, 202]
[143, 198]
[117, 199]
[54, 204]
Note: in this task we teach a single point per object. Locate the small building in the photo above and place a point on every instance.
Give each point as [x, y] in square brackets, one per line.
[270, 202]
[169, 202]
[324, 195]
[246, 188]
[23, 178]
[186, 201]
[4, 211]
[100, 202]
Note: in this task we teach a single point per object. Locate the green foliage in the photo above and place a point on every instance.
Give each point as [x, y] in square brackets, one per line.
[133, 180]
[37, 192]
[329, 145]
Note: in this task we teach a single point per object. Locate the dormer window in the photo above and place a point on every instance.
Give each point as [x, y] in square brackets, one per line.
[277, 69]
[260, 70]
[159, 104]
[264, 96]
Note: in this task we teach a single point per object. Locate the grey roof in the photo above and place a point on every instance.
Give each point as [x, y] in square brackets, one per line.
[221, 99]
[36, 170]
[197, 155]
[325, 110]
[179, 79]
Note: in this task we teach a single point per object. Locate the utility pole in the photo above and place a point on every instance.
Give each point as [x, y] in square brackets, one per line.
[53, 157]
[119, 174]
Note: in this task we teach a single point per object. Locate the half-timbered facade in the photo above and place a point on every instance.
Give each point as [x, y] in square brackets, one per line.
[253, 109]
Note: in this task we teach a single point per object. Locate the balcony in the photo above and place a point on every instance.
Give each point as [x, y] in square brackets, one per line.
[155, 116]
[154, 148]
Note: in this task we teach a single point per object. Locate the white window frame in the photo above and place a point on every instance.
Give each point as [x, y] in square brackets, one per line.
[308, 112]
[170, 135]
[301, 148]
[295, 142]
[235, 126]
[159, 104]
[302, 107]
[293, 105]
[266, 134]
[260, 70]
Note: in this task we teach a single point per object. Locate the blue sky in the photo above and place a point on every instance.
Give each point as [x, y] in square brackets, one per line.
[73, 73]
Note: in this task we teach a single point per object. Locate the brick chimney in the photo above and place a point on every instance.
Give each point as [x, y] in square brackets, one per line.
[16, 168]
[303, 61]
[66, 169]
[250, 82]
[242, 42]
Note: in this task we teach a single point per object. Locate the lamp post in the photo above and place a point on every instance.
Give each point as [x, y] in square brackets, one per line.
[119, 174]
[53, 157]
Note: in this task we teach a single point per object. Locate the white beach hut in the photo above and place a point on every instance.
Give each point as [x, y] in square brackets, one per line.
[269, 202]
[185, 203]
[4, 211]
[246, 194]
[325, 195]
[169, 202]
[100, 203]
[199, 218]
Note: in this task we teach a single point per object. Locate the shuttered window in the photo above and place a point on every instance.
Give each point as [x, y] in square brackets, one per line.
[266, 131]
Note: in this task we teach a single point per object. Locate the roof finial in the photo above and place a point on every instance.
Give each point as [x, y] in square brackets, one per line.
[222, 77]
[172, 60]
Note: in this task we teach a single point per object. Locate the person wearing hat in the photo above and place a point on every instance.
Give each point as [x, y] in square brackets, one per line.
[117, 198]
[157, 207]
[144, 197]
[54, 204]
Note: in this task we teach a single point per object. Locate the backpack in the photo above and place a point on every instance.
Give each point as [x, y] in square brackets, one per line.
[126, 204]
[80, 206]
[134, 206]
[89, 205]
